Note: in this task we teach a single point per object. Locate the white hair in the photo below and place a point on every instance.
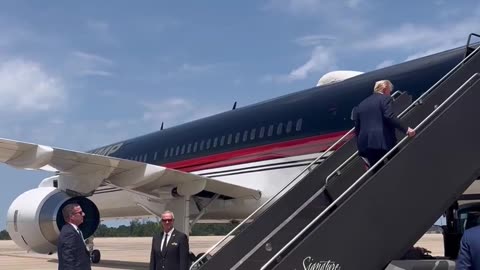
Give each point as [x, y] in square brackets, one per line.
[169, 212]
[380, 86]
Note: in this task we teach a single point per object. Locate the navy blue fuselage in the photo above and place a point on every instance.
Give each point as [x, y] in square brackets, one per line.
[280, 126]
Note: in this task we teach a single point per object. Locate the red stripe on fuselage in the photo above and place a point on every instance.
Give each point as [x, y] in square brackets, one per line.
[291, 148]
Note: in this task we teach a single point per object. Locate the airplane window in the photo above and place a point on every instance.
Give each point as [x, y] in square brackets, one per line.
[279, 129]
[195, 147]
[229, 141]
[201, 145]
[299, 124]
[177, 150]
[289, 127]
[262, 132]
[171, 151]
[245, 135]
[183, 149]
[166, 153]
[208, 144]
[155, 156]
[270, 130]
[252, 134]
[237, 137]
[222, 140]
[189, 148]
[215, 142]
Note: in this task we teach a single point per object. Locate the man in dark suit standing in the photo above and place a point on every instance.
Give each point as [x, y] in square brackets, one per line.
[72, 252]
[170, 249]
[375, 124]
[469, 253]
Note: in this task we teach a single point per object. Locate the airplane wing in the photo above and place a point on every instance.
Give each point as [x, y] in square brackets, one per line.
[78, 168]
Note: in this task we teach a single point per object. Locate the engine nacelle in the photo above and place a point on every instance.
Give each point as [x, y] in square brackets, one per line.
[35, 218]
[337, 76]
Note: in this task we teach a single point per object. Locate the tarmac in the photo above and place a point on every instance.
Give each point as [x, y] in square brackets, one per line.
[134, 252]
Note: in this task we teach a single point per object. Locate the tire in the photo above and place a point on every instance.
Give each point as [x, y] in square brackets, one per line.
[95, 256]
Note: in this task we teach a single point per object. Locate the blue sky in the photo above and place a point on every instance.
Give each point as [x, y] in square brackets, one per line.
[80, 74]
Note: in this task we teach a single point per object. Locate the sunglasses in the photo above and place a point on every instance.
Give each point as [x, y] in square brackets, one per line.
[167, 220]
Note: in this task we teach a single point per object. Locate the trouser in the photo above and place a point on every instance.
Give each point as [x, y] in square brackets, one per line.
[372, 156]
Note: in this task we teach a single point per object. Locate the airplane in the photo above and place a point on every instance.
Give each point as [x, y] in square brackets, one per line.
[220, 167]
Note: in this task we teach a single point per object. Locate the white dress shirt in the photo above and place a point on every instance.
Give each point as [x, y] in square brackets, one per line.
[168, 238]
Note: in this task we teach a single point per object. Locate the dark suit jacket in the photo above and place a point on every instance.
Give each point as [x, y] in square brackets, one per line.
[72, 252]
[469, 253]
[176, 255]
[375, 123]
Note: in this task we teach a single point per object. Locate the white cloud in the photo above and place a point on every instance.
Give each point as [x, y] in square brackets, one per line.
[26, 86]
[347, 18]
[421, 37]
[321, 60]
[435, 49]
[385, 63]
[88, 57]
[417, 40]
[311, 7]
[90, 72]
[196, 68]
[407, 36]
[174, 111]
[314, 40]
[88, 64]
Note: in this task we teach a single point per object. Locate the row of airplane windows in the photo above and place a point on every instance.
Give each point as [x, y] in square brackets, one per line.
[224, 140]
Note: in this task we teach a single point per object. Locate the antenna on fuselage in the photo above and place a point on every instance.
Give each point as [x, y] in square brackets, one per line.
[234, 105]
[161, 128]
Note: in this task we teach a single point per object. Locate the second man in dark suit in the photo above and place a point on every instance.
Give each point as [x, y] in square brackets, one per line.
[72, 252]
[469, 253]
[170, 249]
[375, 124]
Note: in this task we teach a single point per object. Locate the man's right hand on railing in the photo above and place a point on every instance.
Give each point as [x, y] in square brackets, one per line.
[410, 132]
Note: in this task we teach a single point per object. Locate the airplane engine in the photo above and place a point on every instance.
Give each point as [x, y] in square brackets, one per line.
[337, 76]
[35, 218]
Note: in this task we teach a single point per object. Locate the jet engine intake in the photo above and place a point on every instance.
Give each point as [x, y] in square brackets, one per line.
[34, 219]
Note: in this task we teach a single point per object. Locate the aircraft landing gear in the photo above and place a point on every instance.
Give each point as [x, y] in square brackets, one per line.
[95, 256]
[94, 253]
